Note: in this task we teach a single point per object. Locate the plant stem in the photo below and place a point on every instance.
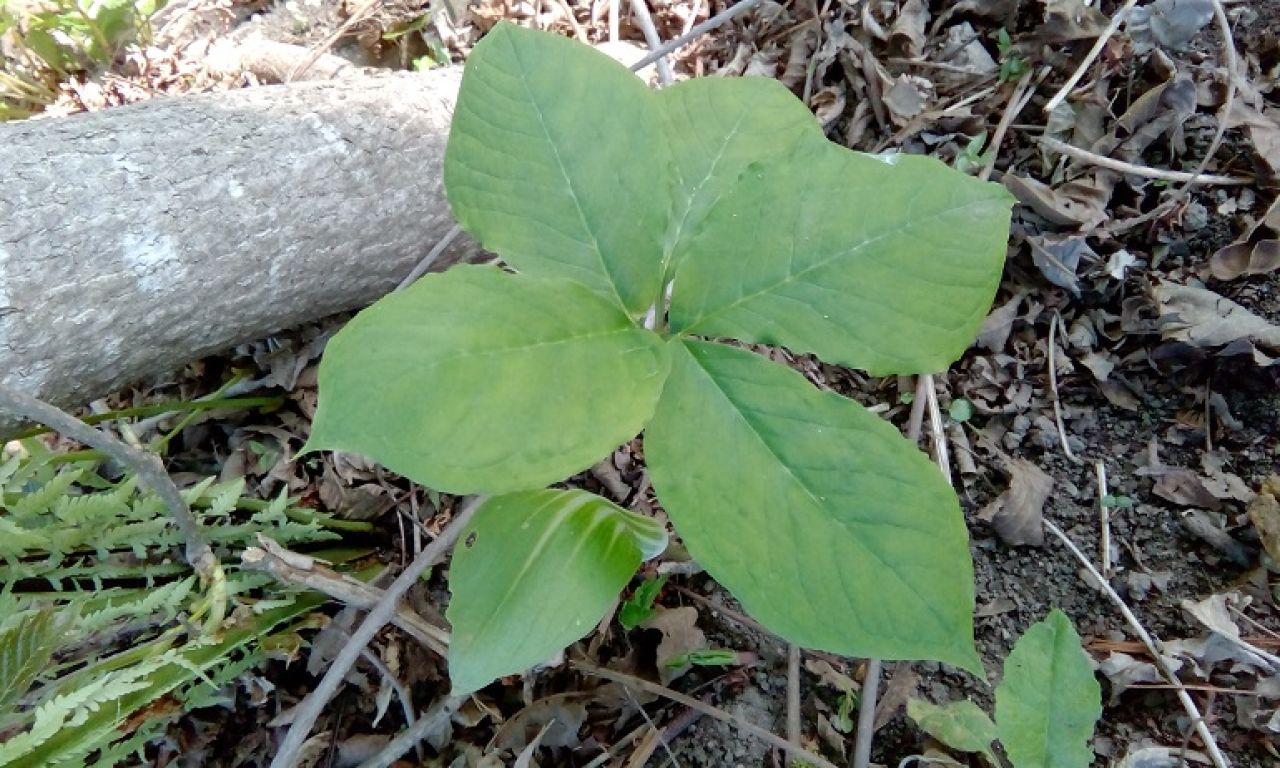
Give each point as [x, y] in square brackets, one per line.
[157, 409]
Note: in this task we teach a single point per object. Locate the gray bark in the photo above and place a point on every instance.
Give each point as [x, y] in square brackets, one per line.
[134, 240]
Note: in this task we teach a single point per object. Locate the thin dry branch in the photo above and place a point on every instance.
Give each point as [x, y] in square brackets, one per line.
[410, 737]
[309, 710]
[776, 742]
[296, 569]
[640, 10]
[1090, 57]
[693, 34]
[148, 467]
[1229, 53]
[1110, 163]
[1154, 647]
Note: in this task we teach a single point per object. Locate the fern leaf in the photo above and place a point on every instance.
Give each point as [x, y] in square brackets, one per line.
[25, 651]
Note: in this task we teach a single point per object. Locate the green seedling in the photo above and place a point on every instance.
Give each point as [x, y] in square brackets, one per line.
[638, 608]
[1046, 704]
[707, 657]
[971, 159]
[644, 230]
[1012, 66]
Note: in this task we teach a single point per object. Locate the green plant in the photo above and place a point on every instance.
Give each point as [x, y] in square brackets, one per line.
[972, 158]
[636, 609]
[1046, 704]
[644, 225]
[97, 650]
[54, 39]
[1012, 66]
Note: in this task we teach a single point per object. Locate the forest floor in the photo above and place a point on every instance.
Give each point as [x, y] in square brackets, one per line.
[1127, 367]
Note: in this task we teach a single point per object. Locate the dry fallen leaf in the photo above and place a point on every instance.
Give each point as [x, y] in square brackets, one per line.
[1058, 259]
[1264, 133]
[1017, 514]
[1123, 671]
[1264, 513]
[1081, 203]
[1184, 488]
[1256, 253]
[680, 635]
[994, 333]
[1203, 318]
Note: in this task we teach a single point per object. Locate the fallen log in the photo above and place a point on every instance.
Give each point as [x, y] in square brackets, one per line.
[134, 240]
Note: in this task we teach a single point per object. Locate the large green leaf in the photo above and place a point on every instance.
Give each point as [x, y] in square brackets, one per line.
[960, 724]
[1048, 702]
[534, 572]
[480, 381]
[886, 264]
[827, 525]
[717, 126]
[557, 162]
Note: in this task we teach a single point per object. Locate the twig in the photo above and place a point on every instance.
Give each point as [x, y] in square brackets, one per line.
[706, 709]
[358, 15]
[925, 395]
[1229, 52]
[1104, 519]
[793, 694]
[1089, 58]
[1154, 647]
[866, 715]
[640, 10]
[613, 20]
[402, 693]
[697, 31]
[937, 434]
[148, 467]
[1017, 101]
[301, 570]
[422, 266]
[578, 30]
[865, 733]
[728, 613]
[916, 420]
[1113, 164]
[309, 710]
[411, 736]
[1054, 322]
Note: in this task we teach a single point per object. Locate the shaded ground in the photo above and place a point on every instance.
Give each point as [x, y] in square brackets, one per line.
[1187, 431]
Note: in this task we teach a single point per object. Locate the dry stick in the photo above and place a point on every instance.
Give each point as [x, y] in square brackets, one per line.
[147, 466]
[309, 710]
[772, 740]
[1022, 94]
[360, 14]
[697, 31]
[1154, 647]
[1098, 45]
[1054, 322]
[641, 11]
[1113, 164]
[414, 734]
[402, 693]
[926, 394]
[422, 266]
[299, 570]
[1229, 52]
[1104, 519]
[865, 733]
[793, 694]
